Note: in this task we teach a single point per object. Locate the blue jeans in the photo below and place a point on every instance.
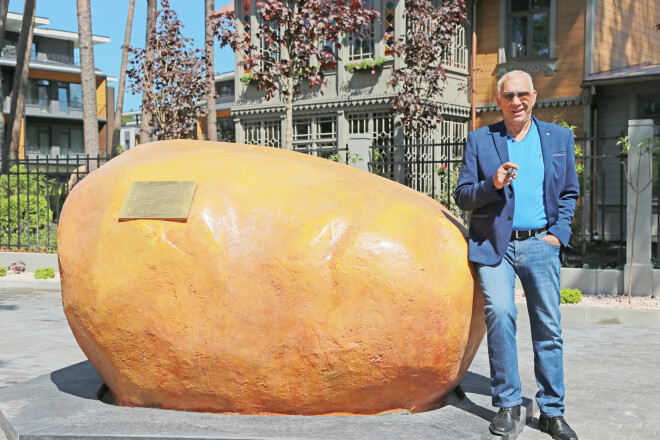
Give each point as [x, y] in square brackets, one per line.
[536, 263]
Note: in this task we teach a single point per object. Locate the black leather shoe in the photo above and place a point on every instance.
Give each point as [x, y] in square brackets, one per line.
[505, 421]
[557, 428]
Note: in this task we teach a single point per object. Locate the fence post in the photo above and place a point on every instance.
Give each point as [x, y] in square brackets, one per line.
[639, 173]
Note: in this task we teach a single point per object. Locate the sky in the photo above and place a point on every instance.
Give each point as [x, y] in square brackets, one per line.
[109, 20]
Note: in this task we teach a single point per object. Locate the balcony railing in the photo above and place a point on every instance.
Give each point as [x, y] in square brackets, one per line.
[45, 57]
[33, 152]
[223, 99]
[53, 107]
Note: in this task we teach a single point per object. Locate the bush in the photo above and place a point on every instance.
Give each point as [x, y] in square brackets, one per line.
[571, 296]
[44, 272]
[3, 271]
[25, 209]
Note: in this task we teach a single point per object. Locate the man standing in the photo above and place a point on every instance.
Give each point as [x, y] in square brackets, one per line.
[518, 179]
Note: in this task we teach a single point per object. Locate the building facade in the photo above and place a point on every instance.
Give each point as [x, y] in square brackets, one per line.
[354, 110]
[52, 124]
[595, 65]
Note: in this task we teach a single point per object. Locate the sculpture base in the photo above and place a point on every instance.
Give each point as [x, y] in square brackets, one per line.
[65, 404]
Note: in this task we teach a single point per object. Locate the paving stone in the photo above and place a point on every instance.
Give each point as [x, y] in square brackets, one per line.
[611, 370]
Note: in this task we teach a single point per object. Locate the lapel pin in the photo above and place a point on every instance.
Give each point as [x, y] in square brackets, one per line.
[547, 133]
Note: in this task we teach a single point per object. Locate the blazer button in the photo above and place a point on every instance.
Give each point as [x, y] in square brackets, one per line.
[510, 218]
[511, 195]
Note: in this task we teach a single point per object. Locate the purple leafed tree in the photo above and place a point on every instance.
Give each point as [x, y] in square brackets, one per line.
[424, 50]
[177, 76]
[298, 42]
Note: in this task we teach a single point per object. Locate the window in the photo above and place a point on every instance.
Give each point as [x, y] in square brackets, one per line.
[266, 133]
[38, 93]
[364, 48]
[225, 92]
[38, 139]
[226, 131]
[75, 96]
[389, 15]
[315, 135]
[9, 47]
[70, 140]
[63, 97]
[649, 108]
[379, 124]
[529, 28]
[527, 37]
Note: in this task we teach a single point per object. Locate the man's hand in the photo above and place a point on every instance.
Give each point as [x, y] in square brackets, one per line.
[552, 239]
[505, 175]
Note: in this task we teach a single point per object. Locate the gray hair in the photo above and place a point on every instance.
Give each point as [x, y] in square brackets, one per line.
[511, 75]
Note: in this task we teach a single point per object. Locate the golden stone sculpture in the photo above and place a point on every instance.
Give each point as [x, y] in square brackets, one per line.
[296, 285]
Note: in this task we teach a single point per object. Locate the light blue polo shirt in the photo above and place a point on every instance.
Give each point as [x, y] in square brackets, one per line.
[529, 212]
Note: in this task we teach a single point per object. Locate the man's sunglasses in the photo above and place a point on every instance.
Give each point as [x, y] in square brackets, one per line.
[523, 96]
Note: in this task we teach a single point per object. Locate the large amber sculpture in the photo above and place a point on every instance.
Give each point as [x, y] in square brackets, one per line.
[297, 285]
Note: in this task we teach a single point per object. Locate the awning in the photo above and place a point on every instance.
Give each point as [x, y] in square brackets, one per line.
[636, 73]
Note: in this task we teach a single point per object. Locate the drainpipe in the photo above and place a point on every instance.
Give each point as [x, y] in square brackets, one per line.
[474, 65]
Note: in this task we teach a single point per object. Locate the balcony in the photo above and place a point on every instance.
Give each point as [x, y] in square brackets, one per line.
[32, 152]
[52, 108]
[223, 99]
[45, 57]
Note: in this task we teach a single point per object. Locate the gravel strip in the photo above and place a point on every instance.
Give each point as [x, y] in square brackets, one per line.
[617, 302]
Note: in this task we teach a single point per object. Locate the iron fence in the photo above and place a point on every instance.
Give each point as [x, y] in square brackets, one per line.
[599, 223]
[656, 209]
[32, 193]
[430, 168]
[599, 237]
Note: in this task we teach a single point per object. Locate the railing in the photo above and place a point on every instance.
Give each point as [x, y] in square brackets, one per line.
[431, 168]
[332, 153]
[655, 258]
[33, 191]
[599, 223]
[53, 106]
[44, 57]
[599, 234]
[31, 197]
[223, 99]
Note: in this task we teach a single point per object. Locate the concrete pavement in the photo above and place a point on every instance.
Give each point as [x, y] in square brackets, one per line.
[612, 383]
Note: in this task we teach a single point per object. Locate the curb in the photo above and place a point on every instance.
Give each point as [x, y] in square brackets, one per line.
[32, 260]
[603, 315]
[40, 285]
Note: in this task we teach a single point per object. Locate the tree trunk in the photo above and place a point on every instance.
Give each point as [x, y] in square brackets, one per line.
[288, 108]
[4, 4]
[211, 127]
[20, 78]
[116, 131]
[145, 127]
[88, 81]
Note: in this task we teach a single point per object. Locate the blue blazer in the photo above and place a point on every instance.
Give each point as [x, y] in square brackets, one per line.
[492, 210]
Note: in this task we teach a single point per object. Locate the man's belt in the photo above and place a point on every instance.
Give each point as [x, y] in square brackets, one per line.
[521, 235]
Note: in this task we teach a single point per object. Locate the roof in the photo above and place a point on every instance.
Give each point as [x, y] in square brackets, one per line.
[14, 22]
[635, 73]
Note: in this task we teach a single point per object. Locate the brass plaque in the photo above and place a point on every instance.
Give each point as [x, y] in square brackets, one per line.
[169, 200]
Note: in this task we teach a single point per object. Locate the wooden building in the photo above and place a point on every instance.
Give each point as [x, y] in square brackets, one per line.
[595, 64]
